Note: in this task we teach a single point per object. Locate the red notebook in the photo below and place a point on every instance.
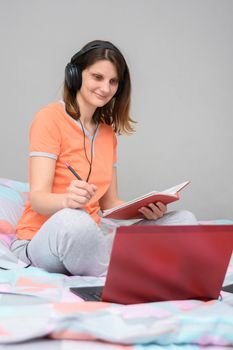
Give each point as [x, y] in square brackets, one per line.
[129, 210]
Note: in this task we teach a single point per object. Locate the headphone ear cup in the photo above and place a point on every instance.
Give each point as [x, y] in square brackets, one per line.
[73, 77]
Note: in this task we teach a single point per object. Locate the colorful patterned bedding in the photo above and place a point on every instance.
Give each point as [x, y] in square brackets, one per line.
[40, 309]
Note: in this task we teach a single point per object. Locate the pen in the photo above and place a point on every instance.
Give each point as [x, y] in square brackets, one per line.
[73, 171]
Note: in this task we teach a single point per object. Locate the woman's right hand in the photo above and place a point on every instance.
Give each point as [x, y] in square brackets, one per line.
[78, 194]
[43, 200]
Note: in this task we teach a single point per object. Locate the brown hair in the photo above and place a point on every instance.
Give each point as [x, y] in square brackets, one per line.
[116, 111]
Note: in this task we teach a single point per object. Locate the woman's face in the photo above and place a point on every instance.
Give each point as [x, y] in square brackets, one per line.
[99, 84]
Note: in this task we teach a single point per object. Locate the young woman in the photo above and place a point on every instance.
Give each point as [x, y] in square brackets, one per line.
[60, 229]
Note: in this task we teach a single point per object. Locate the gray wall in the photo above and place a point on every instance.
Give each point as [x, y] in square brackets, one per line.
[180, 54]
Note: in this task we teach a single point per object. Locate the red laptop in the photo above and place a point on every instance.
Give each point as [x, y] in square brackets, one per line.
[159, 263]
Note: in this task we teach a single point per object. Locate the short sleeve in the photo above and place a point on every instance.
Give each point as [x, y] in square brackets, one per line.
[45, 136]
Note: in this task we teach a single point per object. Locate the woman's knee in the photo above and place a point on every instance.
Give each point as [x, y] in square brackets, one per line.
[71, 221]
[186, 217]
[76, 225]
[64, 228]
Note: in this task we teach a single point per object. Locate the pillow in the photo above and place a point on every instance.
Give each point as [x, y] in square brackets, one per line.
[13, 197]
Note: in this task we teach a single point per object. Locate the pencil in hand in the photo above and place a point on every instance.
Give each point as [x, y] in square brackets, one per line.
[73, 171]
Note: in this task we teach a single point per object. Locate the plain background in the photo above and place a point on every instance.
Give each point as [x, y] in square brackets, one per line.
[180, 55]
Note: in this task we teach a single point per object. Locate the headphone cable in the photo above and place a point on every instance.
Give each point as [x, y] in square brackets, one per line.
[85, 150]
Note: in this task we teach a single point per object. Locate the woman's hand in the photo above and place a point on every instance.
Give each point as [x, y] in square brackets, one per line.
[153, 211]
[78, 194]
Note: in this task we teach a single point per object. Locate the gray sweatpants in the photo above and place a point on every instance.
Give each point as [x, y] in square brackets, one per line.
[70, 242]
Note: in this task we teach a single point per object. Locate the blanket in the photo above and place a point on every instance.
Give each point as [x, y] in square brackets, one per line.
[41, 305]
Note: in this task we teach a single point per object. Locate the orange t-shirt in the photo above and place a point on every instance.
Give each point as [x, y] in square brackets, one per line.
[56, 135]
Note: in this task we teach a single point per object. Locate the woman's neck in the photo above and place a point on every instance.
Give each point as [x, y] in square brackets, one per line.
[86, 112]
[86, 116]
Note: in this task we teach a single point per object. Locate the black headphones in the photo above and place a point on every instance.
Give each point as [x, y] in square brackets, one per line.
[73, 71]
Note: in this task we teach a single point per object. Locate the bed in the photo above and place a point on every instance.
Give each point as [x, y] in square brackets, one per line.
[37, 309]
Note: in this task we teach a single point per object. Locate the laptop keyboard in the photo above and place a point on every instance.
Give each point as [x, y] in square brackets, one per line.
[228, 288]
[88, 293]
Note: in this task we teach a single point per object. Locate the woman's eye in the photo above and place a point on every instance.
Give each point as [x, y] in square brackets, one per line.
[114, 81]
[97, 77]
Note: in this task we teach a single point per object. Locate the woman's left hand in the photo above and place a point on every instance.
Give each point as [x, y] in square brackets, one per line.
[153, 211]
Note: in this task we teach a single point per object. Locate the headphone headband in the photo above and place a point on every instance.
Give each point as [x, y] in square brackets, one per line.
[98, 44]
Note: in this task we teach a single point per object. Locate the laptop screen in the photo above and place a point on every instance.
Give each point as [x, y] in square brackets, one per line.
[158, 263]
